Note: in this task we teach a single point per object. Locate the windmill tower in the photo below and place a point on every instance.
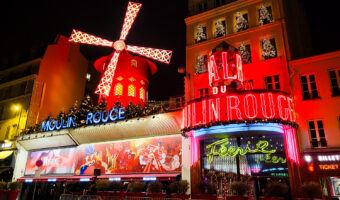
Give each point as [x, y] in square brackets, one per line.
[125, 77]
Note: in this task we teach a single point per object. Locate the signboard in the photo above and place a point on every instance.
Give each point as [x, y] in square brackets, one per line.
[257, 155]
[137, 156]
[56, 161]
[247, 105]
[91, 118]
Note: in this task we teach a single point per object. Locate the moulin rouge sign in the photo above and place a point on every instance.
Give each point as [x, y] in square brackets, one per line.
[225, 67]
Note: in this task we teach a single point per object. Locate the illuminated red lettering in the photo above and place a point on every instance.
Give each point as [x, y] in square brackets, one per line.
[279, 105]
[231, 107]
[253, 105]
[204, 111]
[239, 67]
[290, 109]
[225, 67]
[264, 106]
[194, 121]
[213, 71]
[214, 110]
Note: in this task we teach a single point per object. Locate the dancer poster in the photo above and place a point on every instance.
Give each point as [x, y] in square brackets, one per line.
[56, 161]
[136, 156]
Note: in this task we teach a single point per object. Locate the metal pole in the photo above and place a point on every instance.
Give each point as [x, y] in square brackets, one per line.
[35, 186]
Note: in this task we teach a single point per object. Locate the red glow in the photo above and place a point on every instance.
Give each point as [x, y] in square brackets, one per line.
[238, 107]
[310, 167]
[292, 150]
[213, 71]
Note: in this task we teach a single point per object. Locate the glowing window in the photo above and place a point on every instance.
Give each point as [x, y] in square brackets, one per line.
[119, 78]
[142, 82]
[119, 89]
[132, 79]
[133, 63]
[131, 91]
[141, 93]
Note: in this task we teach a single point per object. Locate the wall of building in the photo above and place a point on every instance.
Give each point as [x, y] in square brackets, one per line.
[258, 68]
[63, 71]
[326, 107]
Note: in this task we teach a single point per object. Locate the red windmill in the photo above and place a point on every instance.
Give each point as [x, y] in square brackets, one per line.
[120, 69]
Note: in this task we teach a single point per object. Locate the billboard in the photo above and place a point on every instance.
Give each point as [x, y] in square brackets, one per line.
[56, 161]
[136, 156]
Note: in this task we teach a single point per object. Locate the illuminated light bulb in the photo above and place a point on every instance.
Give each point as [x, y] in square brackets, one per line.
[119, 45]
[308, 158]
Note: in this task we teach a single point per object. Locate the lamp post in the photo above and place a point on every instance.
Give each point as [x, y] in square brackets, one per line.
[17, 108]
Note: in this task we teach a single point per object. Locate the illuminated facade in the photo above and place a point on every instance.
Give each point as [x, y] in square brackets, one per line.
[238, 93]
[315, 85]
[29, 90]
[119, 63]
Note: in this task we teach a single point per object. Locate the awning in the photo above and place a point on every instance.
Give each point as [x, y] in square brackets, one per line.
[5, 154]
[55, 178]
[140, 177]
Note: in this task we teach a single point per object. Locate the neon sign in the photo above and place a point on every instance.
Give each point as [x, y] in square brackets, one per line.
[243, 106]
[232, 151]
[268, 158]
[224, 66]
[329, 167]
[91, 118]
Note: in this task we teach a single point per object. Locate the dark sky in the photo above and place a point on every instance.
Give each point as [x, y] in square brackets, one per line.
[28, 25]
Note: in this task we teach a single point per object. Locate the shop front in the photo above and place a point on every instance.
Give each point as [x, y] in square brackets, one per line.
[144, 159]
[7, 160]
[246, 136]
[323, 168]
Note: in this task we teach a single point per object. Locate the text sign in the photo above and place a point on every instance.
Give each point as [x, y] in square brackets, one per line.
[91, 118]
[242, 106]
[329, 167]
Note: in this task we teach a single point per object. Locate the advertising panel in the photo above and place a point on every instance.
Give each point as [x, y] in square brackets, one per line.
[137, 156]
[56, 161]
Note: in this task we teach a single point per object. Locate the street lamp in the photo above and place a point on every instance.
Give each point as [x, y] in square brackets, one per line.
[16, 108]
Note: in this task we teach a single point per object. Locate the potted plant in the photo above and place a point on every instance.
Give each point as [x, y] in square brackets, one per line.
[207, 190]
[14, 189]
[238, 189]
[136, 189]
[311, 190]
[3, 186]
[179, 189]
[155, 190]
[275, 191]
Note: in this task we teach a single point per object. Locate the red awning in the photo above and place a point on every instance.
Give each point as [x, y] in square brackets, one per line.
[56, 178]
[133, 177]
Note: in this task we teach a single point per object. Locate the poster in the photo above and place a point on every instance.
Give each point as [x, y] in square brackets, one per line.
[136, 156]
[56, 161]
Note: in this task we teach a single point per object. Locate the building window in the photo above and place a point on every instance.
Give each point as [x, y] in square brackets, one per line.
[133, 63]
[131, 91]
[201, 33]
[245, 53]
[219, 28]
[204, 92]
[268, 48]
[241, 21]
[265, 15]
[334, 77]
[201, 64]
[119, 89]
[309, 90]
[272, 82]
[317, 133]
[248, 85]
[142, 93]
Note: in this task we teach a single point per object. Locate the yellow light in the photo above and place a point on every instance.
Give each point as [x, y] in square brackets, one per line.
[16, 107]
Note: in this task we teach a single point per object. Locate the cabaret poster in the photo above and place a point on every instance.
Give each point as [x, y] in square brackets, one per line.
[56, 161]
[154, 155]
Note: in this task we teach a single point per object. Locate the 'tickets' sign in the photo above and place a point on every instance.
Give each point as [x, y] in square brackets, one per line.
[244, 106]
[56, 161]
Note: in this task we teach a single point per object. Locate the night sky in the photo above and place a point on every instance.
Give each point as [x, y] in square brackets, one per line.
[27, 26]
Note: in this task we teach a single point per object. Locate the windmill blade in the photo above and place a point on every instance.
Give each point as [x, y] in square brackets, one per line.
[84, 38]
[160, 55]
[130, 15]
[104, 86]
